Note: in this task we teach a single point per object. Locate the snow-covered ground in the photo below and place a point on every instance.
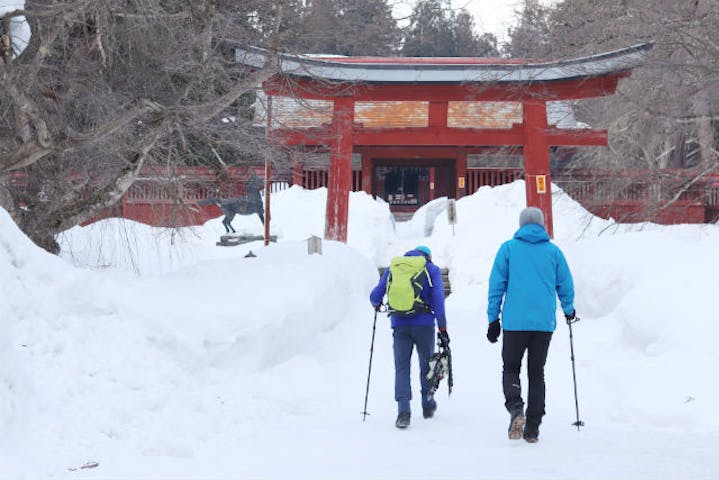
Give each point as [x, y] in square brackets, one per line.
[157, 354]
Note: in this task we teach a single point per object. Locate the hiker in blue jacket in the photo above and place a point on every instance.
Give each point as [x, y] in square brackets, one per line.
[415, 330]
[529, 272]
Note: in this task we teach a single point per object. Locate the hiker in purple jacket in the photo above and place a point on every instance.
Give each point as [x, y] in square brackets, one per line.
[415, 329]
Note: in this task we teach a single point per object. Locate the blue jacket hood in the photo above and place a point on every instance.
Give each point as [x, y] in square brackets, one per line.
[532, 233]
[528, 274]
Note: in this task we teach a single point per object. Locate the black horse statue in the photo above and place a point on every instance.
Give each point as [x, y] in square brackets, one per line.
[247, 205]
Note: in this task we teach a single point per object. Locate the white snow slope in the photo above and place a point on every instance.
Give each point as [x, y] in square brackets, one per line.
[150, 354]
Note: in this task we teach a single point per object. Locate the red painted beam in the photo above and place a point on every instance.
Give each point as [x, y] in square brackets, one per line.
[440, 154]
[560, 137]
[437, 136]
[573, 89]
[305, 136]
[441, 136]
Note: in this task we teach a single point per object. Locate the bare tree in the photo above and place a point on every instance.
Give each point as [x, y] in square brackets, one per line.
[105, 87]
[666, 114]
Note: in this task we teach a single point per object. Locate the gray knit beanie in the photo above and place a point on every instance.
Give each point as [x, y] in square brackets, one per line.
[531, 215]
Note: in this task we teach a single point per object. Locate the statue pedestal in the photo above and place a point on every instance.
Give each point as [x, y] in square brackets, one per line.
[234, 239]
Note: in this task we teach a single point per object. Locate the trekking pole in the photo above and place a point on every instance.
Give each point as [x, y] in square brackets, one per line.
[578, 423]
[450, 376]
[369, 370]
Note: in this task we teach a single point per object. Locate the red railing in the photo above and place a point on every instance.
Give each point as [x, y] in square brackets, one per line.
[315, 178]
[711, 196]
[312, 179]
[662, 196]
[143, 191]
[169, 198]
[480, 177]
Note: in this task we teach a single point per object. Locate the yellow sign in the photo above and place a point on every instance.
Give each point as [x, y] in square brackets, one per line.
[541, 184]
[460, 180]
[431, 185]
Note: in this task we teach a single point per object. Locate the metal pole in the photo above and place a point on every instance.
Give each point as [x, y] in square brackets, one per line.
[369, 370]
[578, 423]
[268, 172]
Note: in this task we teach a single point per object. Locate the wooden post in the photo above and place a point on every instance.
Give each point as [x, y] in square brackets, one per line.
[268, 172]
[452, 213]
[297, 168]
[536, 160]
[437, 114]
[340, 171]
[461, 169]
[432, 186]
[366, 173]
[436, 117]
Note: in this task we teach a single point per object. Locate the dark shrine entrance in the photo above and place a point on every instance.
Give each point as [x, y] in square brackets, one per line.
[408, 184]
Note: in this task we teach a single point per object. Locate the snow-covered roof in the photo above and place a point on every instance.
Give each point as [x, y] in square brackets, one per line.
[447, 69]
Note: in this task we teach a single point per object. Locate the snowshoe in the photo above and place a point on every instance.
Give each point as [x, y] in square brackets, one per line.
[438, 369]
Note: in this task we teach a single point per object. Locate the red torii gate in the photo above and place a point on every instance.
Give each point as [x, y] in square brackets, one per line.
[439, 80]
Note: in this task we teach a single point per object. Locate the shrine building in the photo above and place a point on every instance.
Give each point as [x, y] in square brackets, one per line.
[410, 130]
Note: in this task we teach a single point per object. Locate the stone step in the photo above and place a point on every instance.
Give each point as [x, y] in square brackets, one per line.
[402, 216]
[234, 239]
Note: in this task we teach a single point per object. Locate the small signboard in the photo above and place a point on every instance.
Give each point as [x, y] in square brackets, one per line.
[460, 181]
[314, 245]
[541, 184]
[452, 211]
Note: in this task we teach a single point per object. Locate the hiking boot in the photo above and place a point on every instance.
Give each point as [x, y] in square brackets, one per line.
[516, 425]
[428, 412]
[531, 433]
[402, 420]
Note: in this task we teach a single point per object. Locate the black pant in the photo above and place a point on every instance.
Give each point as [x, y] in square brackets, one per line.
[513, 346]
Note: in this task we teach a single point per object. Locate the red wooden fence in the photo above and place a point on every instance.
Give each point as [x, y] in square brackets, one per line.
[169, 199]
[312, 179]
[480, 177]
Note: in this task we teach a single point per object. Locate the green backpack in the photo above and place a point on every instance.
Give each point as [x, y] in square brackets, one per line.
[405, 284]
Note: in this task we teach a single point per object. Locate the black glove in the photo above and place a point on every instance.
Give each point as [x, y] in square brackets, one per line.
[493, 331]
[570, 316]
[443, 338]
[377, 307]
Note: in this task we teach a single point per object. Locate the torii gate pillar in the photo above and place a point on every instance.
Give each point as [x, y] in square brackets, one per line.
[339, 183]
[536, 160]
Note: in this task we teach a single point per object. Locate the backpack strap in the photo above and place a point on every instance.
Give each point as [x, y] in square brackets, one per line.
[429, 279]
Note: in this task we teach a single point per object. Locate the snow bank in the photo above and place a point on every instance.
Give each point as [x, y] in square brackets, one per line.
[98, 362]
[210, 364]
[296, 215]
[643, 291]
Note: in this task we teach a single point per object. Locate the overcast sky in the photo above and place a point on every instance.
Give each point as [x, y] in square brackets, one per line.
[493, 16]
